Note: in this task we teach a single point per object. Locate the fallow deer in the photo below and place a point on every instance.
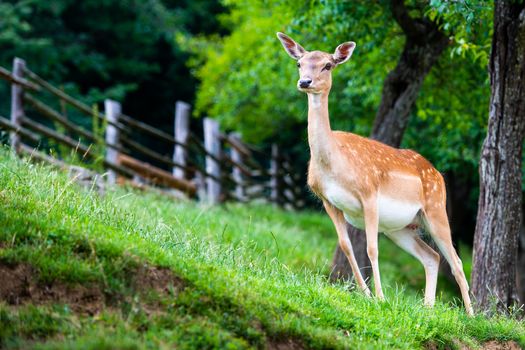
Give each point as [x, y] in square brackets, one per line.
[371, 185]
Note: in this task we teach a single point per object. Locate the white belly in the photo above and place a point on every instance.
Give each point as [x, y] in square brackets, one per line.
[341, 198]
[394, 214]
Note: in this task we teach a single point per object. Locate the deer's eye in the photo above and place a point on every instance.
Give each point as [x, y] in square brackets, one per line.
[298, 65]
[328, 66]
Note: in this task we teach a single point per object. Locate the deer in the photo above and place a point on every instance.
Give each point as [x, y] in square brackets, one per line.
[372, 186]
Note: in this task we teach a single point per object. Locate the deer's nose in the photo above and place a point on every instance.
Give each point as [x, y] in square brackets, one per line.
[304, 83]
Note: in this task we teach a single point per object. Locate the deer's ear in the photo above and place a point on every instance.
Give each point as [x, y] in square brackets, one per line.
[343, 52]
[295, 50]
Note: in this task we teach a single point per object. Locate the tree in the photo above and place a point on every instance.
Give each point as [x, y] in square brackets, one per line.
[499, 211]
[121, 49]
[424, 43]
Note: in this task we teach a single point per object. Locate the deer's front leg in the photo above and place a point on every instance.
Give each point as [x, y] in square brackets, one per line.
[371, 228]
[346, 246]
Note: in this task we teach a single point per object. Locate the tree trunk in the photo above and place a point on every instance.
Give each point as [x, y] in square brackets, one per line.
[423, 46]
[499, 208]
[520, 271]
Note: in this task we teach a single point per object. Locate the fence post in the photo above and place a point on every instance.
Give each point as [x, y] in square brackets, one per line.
[17, 107]
[275, 183]
[212, 145]
[112, 111]
[181, 132]
[236, 172]
[200, 183]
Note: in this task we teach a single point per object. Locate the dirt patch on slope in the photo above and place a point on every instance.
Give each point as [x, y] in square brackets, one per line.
[19, 284]
[490, 345]
[501, 345]
[158, 279]
[284, 344]
[15, 283]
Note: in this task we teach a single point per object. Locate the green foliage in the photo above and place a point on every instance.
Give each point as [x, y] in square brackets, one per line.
[254, 276]
[469, 23]
[244, 71]
[119, 49]
[248, 81]
[453, 106]
[446, 128]
[14, 25]
[75, 40]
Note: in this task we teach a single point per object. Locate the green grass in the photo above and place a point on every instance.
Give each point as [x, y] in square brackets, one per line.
[254, 276]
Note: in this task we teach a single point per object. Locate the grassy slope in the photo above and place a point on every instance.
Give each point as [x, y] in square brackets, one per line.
[254, 276]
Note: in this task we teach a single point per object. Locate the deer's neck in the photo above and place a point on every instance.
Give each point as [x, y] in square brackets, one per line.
[320, 136]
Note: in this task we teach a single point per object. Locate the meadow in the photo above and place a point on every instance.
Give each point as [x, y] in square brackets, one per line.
[134, 269]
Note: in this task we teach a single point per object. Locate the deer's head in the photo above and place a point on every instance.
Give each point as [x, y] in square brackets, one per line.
[315, 67]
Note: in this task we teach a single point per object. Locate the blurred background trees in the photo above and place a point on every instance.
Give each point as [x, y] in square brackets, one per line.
[123, 49]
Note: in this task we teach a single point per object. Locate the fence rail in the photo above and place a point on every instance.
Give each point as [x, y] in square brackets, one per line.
[216, 168]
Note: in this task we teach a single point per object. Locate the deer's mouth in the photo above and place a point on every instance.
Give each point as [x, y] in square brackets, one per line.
[310, 89]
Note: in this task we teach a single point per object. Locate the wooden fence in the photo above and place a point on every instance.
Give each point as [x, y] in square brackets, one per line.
[218, 168]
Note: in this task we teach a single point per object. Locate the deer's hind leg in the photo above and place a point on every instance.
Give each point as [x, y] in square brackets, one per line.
[371, 217]
[409, 240]
[346, 246]
[436, 221]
